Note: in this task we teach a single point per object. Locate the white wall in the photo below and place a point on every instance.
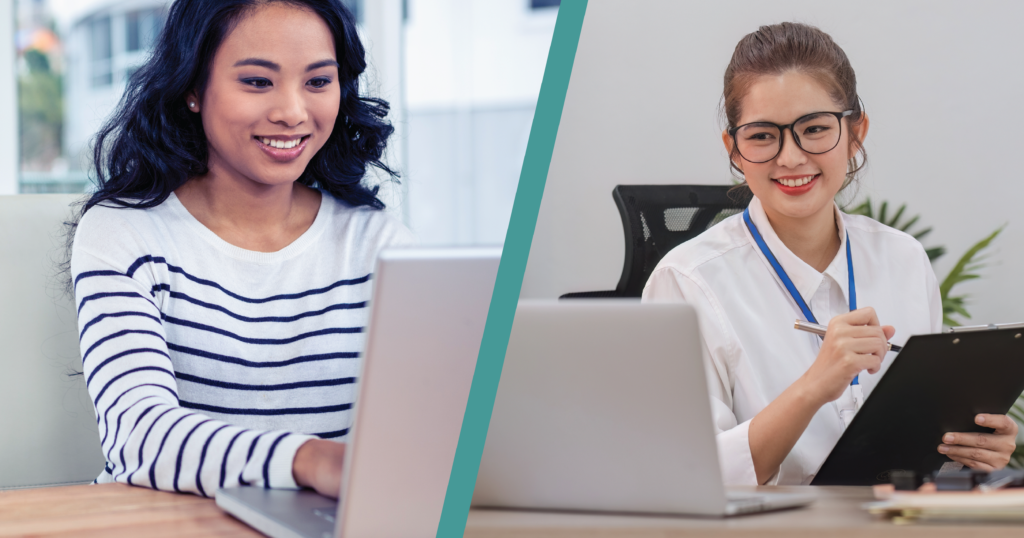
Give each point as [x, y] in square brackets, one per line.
[941, 82]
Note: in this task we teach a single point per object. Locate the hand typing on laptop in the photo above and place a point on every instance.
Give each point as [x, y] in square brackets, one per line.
[318, 464]
[428, 315]
[983, 451]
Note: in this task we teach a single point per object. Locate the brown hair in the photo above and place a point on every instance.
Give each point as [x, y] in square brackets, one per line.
[792, 46]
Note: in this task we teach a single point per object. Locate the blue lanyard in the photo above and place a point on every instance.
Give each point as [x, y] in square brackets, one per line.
[786, 281]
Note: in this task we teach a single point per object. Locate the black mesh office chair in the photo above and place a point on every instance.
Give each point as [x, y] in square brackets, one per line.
[657, 218]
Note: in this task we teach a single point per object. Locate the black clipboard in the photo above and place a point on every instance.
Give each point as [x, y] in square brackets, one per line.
[937, 384]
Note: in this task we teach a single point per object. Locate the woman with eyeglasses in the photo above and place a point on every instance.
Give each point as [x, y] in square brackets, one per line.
[782, 398]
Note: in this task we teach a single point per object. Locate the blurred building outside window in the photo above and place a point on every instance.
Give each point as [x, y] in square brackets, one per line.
[468, 72]
[141, 29]
[100, 62]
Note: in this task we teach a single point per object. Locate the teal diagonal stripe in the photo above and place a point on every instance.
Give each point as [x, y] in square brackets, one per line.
[513, 264]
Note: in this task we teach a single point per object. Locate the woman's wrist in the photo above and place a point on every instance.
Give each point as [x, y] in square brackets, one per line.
[303, 462]
[318, 465]
[805, 392]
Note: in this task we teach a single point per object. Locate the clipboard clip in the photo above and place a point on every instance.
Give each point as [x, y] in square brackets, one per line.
[989, 327]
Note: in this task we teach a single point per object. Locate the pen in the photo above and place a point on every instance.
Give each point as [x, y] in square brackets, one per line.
[819, 330]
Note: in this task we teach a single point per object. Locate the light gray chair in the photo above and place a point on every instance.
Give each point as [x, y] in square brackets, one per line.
[48, 433]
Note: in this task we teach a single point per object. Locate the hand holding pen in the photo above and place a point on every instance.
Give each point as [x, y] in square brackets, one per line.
[855, 342]
[820, 330]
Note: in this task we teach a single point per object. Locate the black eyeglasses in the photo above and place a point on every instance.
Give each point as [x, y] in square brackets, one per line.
[815, 133]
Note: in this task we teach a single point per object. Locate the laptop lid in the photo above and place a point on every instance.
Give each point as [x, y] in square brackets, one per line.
[602, 405]
[426, 322]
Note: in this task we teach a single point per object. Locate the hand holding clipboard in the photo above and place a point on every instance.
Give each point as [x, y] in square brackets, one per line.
[940, 383]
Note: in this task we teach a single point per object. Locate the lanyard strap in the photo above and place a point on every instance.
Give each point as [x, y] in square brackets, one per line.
[786, 281]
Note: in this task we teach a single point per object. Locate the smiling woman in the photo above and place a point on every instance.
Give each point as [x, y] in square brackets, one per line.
[222, 268]
[781, 398]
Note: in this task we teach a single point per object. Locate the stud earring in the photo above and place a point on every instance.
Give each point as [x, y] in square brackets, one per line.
[192, 104]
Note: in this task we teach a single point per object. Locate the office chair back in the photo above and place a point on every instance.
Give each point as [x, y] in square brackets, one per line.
[657, 218]
[48, 433]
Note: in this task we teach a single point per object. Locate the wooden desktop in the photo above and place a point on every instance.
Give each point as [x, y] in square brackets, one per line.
[113, 510]
[116, 510]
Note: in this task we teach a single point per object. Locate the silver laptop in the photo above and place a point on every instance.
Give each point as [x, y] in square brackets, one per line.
[604, 406]
[427, 319]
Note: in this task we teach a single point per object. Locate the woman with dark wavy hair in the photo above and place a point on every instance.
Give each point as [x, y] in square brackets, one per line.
[221, 270]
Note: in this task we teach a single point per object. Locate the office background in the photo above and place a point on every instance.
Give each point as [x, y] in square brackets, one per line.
[462, 77]
[940, 81]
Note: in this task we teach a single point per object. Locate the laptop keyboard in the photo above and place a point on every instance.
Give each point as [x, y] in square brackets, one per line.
[323, 514]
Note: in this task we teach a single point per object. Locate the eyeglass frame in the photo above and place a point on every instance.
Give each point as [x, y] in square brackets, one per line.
[782, 131]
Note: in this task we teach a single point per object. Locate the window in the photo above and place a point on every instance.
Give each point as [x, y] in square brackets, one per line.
[72, 70]
[132, 32]
[142, 27]
[356, 7]
[100, 64]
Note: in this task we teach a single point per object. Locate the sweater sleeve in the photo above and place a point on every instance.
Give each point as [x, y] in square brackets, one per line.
[147, 438]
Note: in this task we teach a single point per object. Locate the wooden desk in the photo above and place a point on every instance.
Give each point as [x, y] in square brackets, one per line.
[836, 513]
[113, 510]
[116, 510]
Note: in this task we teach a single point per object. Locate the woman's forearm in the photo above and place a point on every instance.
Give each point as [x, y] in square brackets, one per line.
[775, 430]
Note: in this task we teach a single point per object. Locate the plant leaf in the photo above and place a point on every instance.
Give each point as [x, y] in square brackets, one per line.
[964, 270]
[913, 220]
[955, 274]
[863, 209]
[922, 233]
[935, 253]
[894, 223]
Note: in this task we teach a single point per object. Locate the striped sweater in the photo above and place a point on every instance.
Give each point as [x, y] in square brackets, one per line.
[208, 364]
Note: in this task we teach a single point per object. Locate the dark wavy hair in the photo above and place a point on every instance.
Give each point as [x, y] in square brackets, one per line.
[152, 144]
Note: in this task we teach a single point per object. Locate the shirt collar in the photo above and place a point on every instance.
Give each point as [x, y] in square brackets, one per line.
[806, 279]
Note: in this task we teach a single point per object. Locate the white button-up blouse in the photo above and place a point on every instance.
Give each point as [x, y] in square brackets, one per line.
[751, 351]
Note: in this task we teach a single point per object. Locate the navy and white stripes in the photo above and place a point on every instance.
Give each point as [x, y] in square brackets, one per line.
[210, 365]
